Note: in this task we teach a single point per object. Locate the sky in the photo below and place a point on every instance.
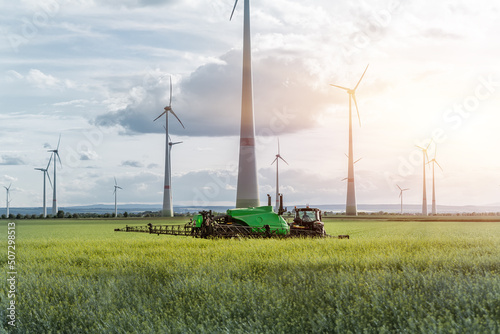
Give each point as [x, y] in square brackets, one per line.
[97, 74]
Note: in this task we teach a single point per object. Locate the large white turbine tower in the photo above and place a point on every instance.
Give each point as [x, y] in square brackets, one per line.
[401, 196]
[116, 207]
[277, 160]
[167, 210]
[424, 197]
[247, 191]
[45, 175]
[7, 201]
[55, 155]
[351, 209]
[434, 162]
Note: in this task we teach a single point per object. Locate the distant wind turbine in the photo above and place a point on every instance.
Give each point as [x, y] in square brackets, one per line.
[401, 196]
[434, 162]
[277, 159]
[7, 200]
[424, 198]
[116, 187]
[247, 191]
[170, 145]
[45, 174]
[351, 208]
[167, 210]
[55, 155]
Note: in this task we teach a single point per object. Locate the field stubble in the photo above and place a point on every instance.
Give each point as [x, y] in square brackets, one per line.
[81, 277]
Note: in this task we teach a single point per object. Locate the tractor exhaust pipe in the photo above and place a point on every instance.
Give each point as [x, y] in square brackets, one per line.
[268, 200]
[281, 210]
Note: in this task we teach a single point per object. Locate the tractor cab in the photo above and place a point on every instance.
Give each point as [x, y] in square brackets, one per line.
[308, 219]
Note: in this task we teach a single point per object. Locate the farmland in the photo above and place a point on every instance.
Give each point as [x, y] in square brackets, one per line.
[78, 276]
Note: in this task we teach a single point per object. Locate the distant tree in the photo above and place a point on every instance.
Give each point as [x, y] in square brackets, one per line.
[18, 216]
[75, 215]
[60, 214]
[106, 215]
[27, 216]
[11, 216]
[125, 214]
[113, 215]
[4, 216]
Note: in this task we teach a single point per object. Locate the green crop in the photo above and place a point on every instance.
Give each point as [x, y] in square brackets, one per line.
[390, 277]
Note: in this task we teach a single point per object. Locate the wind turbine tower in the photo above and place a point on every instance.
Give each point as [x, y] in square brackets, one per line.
[116, 187]
[351, 208]
[169, 169]
[45, 175]
[401, 196]
[247, 191]
[167, 210]
[7, 201]
[424, 197]
[277, 160]
[434, 162]
[55, 155]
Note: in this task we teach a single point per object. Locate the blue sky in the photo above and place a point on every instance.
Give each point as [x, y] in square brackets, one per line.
[97, 73]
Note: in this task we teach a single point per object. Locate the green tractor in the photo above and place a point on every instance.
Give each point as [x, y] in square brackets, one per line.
[254, 222]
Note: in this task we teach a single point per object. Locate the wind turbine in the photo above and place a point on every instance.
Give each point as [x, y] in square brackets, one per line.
[277, 160]
[167, 210]
[424, 198]
[7, 200]
[351, 209]
[55, 155]
[401, 196]
[247, 191]
[170, 144]
[116, 187]
[45, 173]
[434, 162]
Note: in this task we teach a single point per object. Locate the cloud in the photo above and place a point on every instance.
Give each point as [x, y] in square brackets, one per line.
[132, 163]
[208, 101]
[42, 80]
[11, 160]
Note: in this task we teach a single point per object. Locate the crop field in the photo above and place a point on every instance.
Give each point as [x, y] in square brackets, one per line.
[79, 276]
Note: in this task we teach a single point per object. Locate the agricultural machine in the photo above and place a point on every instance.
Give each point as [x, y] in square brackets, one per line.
[255, 222]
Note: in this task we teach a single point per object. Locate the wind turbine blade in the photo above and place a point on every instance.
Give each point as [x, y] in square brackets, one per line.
[177, 117]
[357, 160]
[50, 181]
[274, 160]
[278, 146]
[119, 187]
[345, 178]
[357, 110]
[58, 142]
[160, 115]
[400, 194]
[58, 157]
[284, 160]
[48, 165]
[429, 144]
[437, 163]
[169, 139]
[398, 187]
[115, 180]
[170, 101]
[346, 155]
[339, 87]
[39, 169]
[423, 149]
[236, 2]
[178, 142]
[361, 77]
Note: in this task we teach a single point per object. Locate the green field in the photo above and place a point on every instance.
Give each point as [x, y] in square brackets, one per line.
[79, 276]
